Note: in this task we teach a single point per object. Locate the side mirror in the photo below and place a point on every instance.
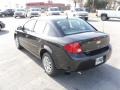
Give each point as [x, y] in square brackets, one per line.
[20, 28]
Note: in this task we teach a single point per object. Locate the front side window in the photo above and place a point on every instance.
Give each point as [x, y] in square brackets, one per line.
[30, 25]
[73, 26]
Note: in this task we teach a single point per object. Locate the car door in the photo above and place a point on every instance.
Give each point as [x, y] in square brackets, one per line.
[34, 39]
[27, 33]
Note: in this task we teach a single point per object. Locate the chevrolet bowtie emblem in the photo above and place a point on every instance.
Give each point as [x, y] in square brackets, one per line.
[98, 42]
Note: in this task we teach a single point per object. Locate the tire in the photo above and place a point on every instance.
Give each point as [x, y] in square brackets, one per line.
[108, 18]
[48, 64]
[3, 15]
[104, 17]
[0, 27]
[18, 43]
[86, 19]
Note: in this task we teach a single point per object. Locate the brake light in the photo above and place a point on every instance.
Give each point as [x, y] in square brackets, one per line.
[73, 48]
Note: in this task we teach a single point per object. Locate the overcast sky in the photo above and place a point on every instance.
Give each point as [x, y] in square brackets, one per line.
[12, 3]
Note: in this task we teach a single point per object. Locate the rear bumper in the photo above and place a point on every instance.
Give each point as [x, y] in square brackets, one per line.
[34, 15]
[71, 63]
[83, 17]
[88, 62]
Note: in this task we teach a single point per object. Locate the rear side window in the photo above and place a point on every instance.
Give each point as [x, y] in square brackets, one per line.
[73, 26]
[39, 27]
[49, 30]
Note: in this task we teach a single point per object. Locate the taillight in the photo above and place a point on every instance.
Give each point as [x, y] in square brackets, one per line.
[73, 48]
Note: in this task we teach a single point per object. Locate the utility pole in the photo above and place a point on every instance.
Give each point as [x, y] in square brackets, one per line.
[75, 2]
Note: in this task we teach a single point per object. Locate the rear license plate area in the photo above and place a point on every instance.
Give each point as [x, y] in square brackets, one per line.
[99, 60]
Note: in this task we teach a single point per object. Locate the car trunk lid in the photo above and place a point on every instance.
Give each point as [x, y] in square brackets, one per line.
[90, 41]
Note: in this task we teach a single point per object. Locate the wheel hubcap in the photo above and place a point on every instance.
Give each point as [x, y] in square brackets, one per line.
[47, 64]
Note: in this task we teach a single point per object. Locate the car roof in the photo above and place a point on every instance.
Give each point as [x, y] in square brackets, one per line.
[53, 18]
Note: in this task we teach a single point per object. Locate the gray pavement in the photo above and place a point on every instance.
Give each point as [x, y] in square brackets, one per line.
[19, 70]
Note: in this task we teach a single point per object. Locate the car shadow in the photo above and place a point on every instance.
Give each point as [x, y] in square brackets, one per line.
[2, 32]
[104, 77]
[111, 20]
[35, 59]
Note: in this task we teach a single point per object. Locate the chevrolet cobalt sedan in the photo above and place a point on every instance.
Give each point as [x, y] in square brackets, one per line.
[63, 43]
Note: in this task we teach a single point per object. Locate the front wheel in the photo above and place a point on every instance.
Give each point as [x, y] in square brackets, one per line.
[48, 64]
[18, 43]
[3, 15]
[0, 27]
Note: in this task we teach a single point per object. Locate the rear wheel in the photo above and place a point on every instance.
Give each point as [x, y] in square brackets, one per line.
[104, 17]
[48, 64]
[86, 18]
[18, 43]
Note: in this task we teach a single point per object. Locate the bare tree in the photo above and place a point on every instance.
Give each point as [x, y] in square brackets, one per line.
[77, 1]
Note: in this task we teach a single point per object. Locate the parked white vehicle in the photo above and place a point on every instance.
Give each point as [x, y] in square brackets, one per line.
[106, 14]
[34, 12]
[79, 12]
[53, 11]
[20, 13]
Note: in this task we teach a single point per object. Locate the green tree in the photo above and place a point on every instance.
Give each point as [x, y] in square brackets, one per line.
[96, 4]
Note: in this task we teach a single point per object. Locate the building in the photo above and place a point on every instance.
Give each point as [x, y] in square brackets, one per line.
[46, 5]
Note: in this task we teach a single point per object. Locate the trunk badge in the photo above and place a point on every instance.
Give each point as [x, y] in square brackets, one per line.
[98, 42]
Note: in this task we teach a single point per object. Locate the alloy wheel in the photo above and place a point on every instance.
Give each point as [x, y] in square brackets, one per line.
[47, 64]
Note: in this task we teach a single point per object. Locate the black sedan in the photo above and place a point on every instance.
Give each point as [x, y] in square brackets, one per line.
[2, 25]
[7, 12]
[69, 44]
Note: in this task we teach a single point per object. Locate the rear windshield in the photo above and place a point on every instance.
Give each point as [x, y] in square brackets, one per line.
[79, 9]
[20, 10]
[35, 9]
[73, 26]
[54, 9]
